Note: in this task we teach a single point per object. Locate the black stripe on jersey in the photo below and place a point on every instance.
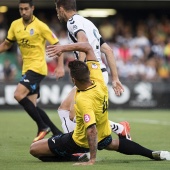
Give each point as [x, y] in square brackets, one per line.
[93, 86]
[10, 40]
[71, 21]
[101, 41]
[75, 41]
[76, 55]
[72, 38]
[77, 32]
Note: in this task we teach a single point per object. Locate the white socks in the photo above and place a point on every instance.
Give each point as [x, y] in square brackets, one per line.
[67, 124]
[116, 127]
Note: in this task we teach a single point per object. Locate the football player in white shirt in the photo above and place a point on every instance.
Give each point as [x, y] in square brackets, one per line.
[81, 29]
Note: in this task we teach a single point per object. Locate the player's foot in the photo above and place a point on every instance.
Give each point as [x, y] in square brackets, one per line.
[42, 134]
[83, 157]
[126, 131]
[161, 155]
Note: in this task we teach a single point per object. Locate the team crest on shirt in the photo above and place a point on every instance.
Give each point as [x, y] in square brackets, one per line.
[74, 27]
[86, 118]
[31, 31]
[94, 66]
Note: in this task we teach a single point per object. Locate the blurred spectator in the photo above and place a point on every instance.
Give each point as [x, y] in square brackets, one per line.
[3, 27]
[141, 46]
[9, 71]
[107, 30]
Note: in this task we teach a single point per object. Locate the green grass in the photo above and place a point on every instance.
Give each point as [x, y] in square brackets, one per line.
[150, 128]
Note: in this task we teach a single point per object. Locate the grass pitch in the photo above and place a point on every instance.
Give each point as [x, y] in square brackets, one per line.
[150, 128]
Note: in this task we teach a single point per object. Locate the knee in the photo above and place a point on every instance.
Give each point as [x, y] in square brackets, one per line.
[33, 150]
[18, 96]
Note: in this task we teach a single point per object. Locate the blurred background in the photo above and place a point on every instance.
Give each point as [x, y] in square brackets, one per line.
[137, 31]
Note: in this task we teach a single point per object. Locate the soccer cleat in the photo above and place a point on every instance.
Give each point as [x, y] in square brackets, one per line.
[42, 134]
[126, 132]
[83, 157]
[161, 155]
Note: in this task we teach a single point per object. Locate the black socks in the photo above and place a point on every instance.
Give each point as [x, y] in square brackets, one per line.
[47, 120]
[32, 111]
[131, 148]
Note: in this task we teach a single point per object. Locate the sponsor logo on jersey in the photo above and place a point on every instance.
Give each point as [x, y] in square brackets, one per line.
[94, 66]
[86, 118]
[31, 31]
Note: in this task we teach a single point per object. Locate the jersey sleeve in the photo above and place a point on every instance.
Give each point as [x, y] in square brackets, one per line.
[48, 34]
[11, 34]
[75, 25]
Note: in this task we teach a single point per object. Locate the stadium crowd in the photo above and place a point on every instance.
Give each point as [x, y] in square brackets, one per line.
[141, 48]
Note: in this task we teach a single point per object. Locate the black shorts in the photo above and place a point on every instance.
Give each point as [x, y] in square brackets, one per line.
[31, 80]
[104, 142]
[64, 145]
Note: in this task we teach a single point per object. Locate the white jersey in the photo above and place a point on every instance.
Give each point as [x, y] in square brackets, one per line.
[78, 23]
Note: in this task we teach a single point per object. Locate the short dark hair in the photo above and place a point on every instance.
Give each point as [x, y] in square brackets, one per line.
[66, 4]
[79, 71]
[30, 2]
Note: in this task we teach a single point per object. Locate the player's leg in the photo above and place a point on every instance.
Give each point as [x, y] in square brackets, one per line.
[26, 94]
[58, 148]
[40, 148]
[128, 147]
[29, 105]
[122, 129]
[64, 112]
[48, 122]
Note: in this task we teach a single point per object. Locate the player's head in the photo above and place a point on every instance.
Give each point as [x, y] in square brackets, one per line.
[26, 9]
[64, 6]
[79, 71]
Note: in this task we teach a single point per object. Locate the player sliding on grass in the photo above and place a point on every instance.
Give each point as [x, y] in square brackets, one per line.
[92, 130]
[81, 29]
[31, 34]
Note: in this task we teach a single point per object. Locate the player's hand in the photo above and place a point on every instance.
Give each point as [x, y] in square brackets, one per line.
[53, 50]
[59, 72]
[117, 87]
[90, 162]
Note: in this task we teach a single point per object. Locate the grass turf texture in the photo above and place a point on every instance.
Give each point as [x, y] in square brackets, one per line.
[150, 128]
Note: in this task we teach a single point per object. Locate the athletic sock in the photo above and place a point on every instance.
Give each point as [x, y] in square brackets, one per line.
[116, 127]
[67, 124]
[32, 111]
[131, 148]
[47, 120]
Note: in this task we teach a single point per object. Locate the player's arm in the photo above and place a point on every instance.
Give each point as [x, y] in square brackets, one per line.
[92, 141]
[59, 71]
[81, 37]
[5, 45]
[116, 84]
[52, 39]
[53, 50]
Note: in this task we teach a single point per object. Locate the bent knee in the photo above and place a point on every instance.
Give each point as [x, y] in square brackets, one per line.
[33, 150]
